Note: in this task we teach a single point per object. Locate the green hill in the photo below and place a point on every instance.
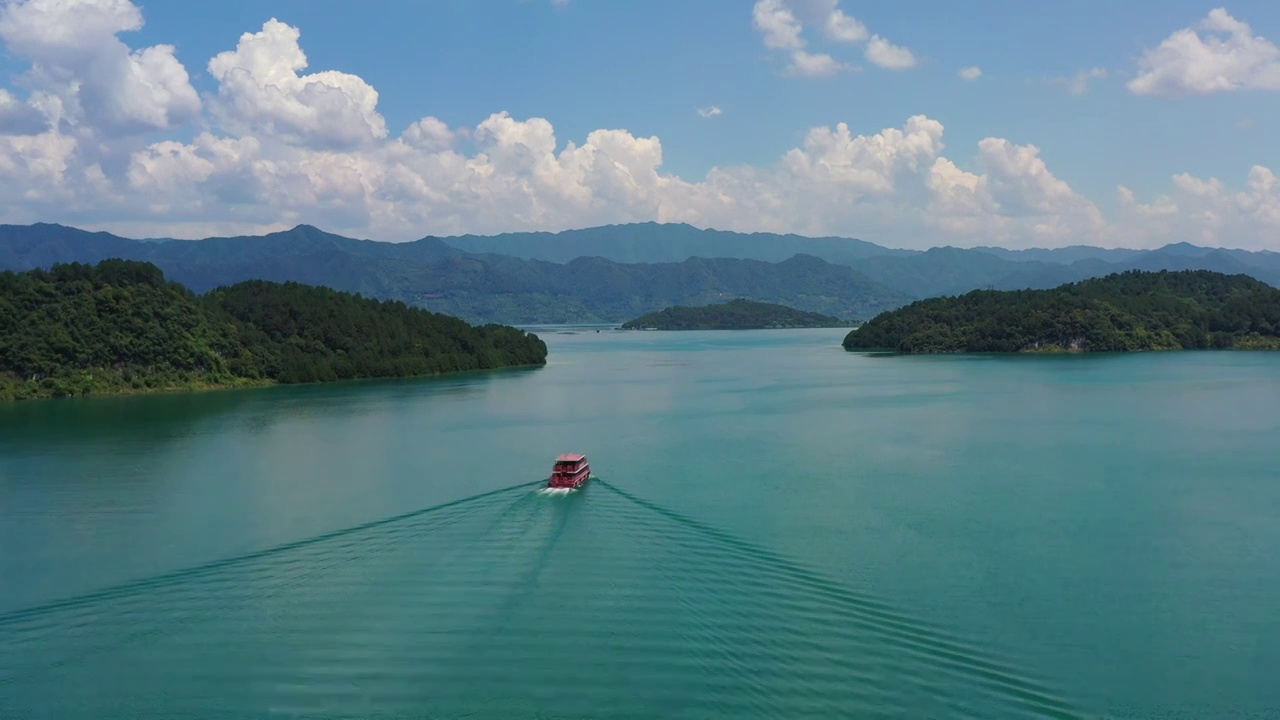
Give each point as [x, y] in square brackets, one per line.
[739, 314]
[1134, 310]
[121, 326]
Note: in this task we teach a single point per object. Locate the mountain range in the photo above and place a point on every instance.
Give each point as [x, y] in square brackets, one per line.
[918, 273]
[613, 272]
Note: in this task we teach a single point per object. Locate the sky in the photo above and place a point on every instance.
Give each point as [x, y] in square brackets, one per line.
[992, 122]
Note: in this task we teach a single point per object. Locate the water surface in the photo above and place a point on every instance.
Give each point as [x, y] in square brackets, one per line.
[781, 529]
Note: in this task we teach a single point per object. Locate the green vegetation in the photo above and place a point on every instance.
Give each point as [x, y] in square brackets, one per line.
[739, 314]
[1134, 310]
[121, 327]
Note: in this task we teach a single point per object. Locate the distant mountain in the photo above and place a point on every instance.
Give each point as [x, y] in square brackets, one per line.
[552, 277]
[651, 242]
[954, 271]
[476, 287]
[938, 271]
[1063, 255]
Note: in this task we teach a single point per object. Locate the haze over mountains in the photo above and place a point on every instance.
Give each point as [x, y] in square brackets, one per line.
[613, 272]
[920, 273]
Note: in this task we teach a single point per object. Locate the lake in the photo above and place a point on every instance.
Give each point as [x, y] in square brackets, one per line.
[776, 528]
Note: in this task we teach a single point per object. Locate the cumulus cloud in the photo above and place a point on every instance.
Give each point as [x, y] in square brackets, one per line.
[831, 21]
[260, 90]
[971, 73]
[88, 76]
[777, 25]
[894, 182]
[781, 26]
[18, 117]
[815, 64]
[889, 56]
[709, 112]
[1217, 54]
[1207, 212]
[430, 134]
[282, 146]
[843, 28]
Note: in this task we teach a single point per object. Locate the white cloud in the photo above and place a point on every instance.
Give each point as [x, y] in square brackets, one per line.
[971, 73]
[709, 112]
[894, 184]
[1016, 200]
[815, 64]
[430, 134]
[87, 76]
[259, 89]
[827, 15]
[1217, 54]
[844, 28]
[289, 148]
[781, 26]
[889, 56]
[20, 118]
[1078, 84]
[1207, 212]
[777, 25]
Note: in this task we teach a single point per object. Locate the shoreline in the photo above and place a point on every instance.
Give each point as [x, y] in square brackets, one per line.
[1059, 352]
[248, 384]
[737, 329]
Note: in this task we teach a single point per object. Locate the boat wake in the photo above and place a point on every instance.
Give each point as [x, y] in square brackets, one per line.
[555, 491]
[476, 608]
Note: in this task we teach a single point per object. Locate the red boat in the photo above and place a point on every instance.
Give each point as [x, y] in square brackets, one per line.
[570, 470]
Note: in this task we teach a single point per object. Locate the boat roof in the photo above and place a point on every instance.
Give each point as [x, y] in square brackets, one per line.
[571, 457]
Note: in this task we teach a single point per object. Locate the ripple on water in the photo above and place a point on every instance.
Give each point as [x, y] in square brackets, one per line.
[520, 603]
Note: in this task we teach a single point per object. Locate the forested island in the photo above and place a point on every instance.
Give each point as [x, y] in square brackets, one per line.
[737, 314]
[1133, 310]
[120, 326]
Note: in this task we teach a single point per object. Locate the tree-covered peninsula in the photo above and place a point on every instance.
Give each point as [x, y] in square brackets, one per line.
[738, 314]
[120, 326]
[1134, 310]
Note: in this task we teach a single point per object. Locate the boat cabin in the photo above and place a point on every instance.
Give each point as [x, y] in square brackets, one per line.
[569, 470]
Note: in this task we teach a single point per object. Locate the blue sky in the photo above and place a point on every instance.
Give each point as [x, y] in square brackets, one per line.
[646, 68]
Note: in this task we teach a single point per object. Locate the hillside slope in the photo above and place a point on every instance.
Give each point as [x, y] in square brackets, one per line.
[1135, 310]
[121, 326]
[733, 315]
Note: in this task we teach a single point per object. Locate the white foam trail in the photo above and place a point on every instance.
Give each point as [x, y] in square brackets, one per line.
[555, 491]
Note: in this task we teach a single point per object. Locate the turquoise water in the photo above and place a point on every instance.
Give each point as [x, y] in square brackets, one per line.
[777, 528]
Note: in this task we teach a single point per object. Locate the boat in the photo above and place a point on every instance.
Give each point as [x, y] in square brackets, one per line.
[570, 470]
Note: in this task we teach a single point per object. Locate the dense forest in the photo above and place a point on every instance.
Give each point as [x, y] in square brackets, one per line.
[121, 326]
[1134, 310]
[739, 314]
